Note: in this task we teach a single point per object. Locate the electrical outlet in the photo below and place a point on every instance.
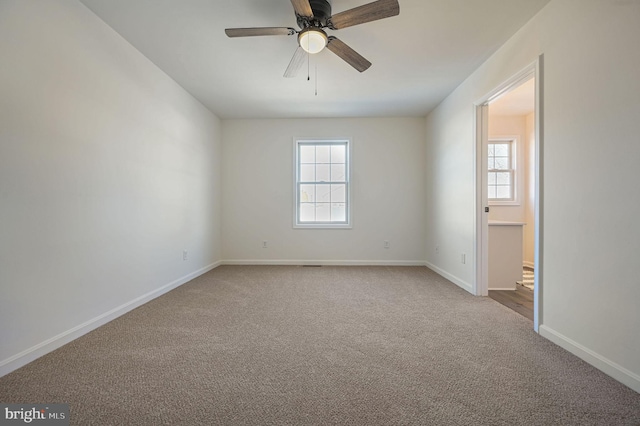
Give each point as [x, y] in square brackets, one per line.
[463, 258]
[264, 244]
[386, 244]
[185, 255]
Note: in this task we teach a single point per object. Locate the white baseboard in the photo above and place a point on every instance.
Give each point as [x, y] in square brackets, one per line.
[503, 289]
[295, 262]
[528, 264]
[603, 364]
[457, 281]
[16, 361]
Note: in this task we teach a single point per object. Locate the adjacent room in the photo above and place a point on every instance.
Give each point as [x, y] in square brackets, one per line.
[320, 211]
[511, 197]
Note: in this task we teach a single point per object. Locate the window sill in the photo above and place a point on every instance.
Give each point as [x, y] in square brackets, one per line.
[504, 203]
[322, 226]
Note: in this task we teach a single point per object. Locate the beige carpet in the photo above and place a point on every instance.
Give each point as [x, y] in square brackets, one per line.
[271, 345]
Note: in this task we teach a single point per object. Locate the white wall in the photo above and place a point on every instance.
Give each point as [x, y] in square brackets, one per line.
[529, 189]
[108, 170]
[450, 173]
[387, 189]
[591, 153]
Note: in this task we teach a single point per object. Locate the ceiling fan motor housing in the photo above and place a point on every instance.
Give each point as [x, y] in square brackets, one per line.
[321, 14]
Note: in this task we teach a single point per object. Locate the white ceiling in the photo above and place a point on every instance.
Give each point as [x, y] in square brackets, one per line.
[519, 101]
[418, 57]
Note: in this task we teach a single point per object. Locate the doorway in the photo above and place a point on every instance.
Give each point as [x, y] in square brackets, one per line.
[508, 193]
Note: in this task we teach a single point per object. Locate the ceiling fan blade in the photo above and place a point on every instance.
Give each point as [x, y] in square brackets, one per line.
[349, 55]
[302, 8]
[262, 31]
[296, 62]
[369, 12]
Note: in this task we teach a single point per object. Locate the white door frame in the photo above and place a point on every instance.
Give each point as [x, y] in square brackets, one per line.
[481, 287]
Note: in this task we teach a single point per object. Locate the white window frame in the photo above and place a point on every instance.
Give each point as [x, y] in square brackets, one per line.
[516, 170]
[297, 142]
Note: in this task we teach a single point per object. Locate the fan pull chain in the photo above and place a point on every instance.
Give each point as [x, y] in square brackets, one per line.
[308, 66]
[316, 79]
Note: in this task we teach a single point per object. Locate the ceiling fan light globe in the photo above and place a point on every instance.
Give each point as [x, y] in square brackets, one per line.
[312, 40]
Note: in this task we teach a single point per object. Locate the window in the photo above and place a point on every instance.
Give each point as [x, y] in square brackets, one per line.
[322, 184]
[501, 177]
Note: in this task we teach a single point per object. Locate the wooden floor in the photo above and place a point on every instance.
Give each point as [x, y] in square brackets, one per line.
[520, 300]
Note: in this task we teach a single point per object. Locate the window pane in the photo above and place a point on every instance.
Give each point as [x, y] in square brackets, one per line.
[500, 180]
[322, 185]
[492, 192]
[492, 178]
[338, 193]
[307, 193]
[337, 172]
[504, 178]
[504, 192]
[502, 149]
[323, 193]
[323, 212]
[307, 154]
[322, 173]
[307, 173]
[322, 154]
[307, 212]
[338, 212]
[338, 153]
[501, 163]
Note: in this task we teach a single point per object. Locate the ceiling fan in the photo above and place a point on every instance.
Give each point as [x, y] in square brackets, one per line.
[313, 16]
